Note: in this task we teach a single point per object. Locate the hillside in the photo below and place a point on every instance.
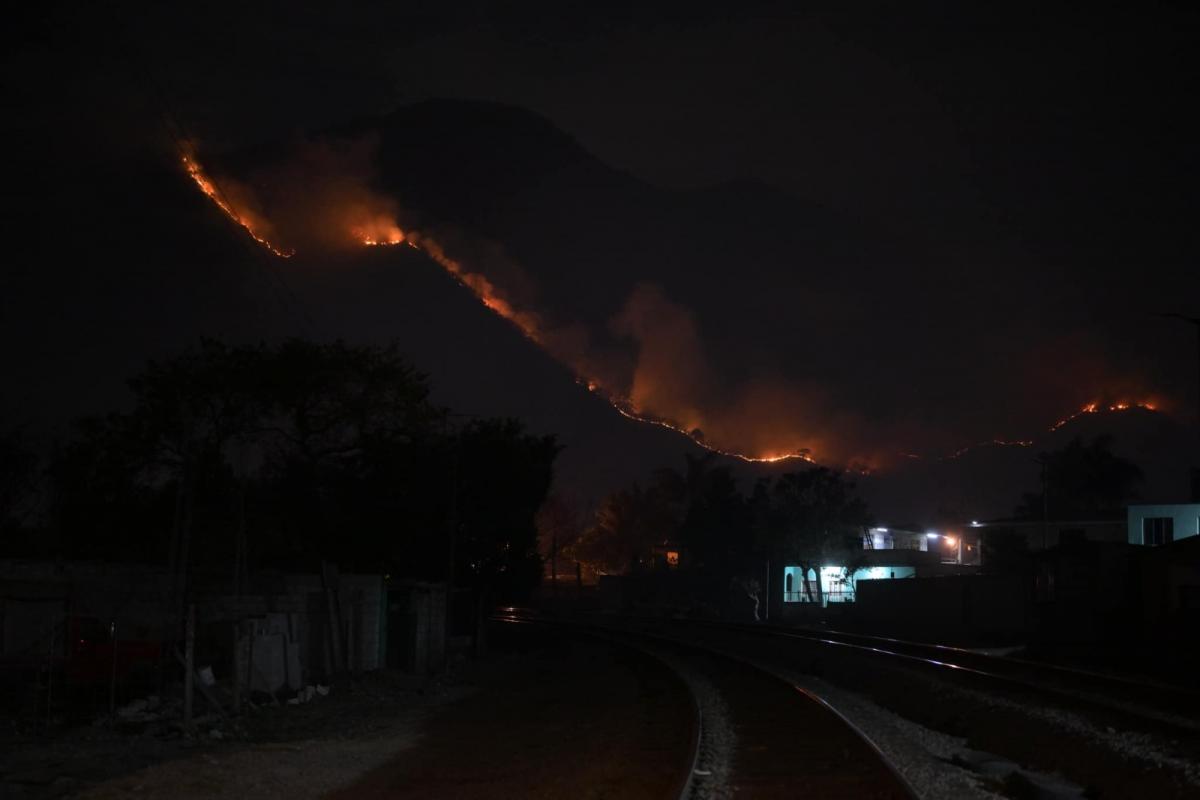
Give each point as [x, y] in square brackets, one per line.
[782, 291]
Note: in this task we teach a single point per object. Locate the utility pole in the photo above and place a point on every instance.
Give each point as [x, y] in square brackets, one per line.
[1042, 459]
[767, 594]
[554, 566]
[452, 532]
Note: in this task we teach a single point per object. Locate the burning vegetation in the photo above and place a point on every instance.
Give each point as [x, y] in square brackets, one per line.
[250, 222]
[1097, 408]
[668, 374]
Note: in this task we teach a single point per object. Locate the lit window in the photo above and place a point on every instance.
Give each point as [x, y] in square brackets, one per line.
[673, 558]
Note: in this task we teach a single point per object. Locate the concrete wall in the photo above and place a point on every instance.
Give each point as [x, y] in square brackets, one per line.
[1185, 515]
[360, 599]
[1169, 578]
[955, 605]
[416, 627]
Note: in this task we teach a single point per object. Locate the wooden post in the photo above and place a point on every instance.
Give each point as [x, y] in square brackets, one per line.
[250, 636]
[554, 565]
[239, 543]
[237, 667]
[112, 675]
[329, 577]
[481, 608]
[352, 644]
[767, 595]
[50, 668]
[189, 661]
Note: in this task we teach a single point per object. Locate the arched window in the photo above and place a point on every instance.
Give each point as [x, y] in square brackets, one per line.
[787, 582]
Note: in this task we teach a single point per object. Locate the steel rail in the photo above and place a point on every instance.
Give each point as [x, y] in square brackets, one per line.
[619, 634]
[1174, 703]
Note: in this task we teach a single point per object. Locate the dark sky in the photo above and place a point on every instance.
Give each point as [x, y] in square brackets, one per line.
[1014, 125]
[1032, 174]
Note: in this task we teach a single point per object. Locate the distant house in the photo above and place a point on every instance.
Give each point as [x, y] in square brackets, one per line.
[954, 545]
[837, 583]
[1162, 524]
[887, 554]
[666, 554]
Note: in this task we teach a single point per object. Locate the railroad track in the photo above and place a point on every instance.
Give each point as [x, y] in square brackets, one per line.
[1160, 706]
[1008, 719]
[759, 735]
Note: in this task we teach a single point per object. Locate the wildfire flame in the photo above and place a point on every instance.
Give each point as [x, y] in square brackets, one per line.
[528, 324]
[381, 230]
[625, 410]
[1090, 408]
[206, 184]
[1096, 408]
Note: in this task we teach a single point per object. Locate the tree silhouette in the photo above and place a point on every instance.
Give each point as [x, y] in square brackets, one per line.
[315, 452]
[559, 527]
[503, 477]
[712, 518]
[629, 524]
[1082, 481]
[808, 518]
[685, 489]
[19, 486]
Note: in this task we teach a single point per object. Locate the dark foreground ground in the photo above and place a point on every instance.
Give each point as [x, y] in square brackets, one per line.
[560, 717]
[536, 717]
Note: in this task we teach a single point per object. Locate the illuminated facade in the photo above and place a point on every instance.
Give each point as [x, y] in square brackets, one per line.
[888, 554]
[837, 583]
[1162, 524]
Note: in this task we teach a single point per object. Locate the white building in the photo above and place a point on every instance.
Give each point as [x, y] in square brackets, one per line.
[1163, 524]
[837, 583]
[888, 553]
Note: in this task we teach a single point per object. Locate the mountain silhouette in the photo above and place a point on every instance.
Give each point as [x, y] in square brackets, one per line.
[779, 285]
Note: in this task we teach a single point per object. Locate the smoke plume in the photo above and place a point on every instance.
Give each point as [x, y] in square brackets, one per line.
[649, 362]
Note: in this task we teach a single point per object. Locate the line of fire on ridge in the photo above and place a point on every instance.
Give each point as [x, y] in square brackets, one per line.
[206, 184]
[481, 288]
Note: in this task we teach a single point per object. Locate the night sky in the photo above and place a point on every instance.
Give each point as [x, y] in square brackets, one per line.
[872, 232]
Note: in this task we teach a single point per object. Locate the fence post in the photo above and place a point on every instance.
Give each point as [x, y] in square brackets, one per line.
[112, 677]
[189, 661]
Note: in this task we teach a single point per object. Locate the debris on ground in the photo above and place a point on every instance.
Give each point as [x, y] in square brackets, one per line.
[143, 746]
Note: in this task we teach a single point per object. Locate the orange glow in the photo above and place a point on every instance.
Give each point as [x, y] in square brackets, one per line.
[244, 219]
[1097, 407]
[380, 230]
[1089, 408]
[373, 225]
[529, 325]
[629, 413]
